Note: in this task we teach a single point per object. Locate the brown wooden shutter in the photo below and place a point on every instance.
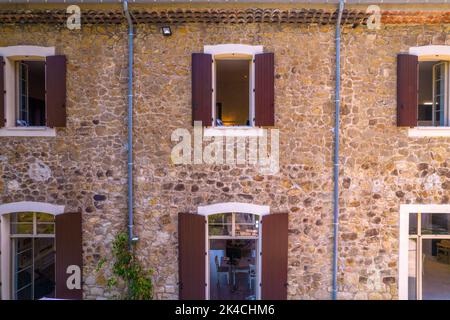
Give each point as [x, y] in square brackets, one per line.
[56, 91]
[407, 90]
[2, 92]
[191, 256]
[69, 255]
[274, 260]
[264, 90]
[202, 88]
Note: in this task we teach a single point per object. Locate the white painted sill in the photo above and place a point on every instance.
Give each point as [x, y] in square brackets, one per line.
[27, 132]
[235, 131]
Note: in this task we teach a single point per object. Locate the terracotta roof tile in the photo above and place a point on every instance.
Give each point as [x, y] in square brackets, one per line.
[227, 16]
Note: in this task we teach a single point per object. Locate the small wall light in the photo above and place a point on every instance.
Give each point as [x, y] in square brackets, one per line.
[166, 31]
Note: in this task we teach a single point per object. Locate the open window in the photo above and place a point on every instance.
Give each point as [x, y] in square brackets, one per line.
[233, 92]
[433, 94]
[30, 93]
[32, 89]
[233, 251]
[423, 88]
[233, 86]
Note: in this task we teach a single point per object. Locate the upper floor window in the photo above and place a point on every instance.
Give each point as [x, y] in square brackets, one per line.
[233, 86]
[433, 93]
[32, 88]
[423, 87]
[30, 93]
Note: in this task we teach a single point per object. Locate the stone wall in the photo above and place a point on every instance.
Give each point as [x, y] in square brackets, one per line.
[84, 167]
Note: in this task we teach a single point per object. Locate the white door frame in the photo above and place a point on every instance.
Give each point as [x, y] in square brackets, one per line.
[236, 207]
[405, 211]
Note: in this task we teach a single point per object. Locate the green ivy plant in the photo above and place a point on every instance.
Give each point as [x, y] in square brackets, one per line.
[129, 269]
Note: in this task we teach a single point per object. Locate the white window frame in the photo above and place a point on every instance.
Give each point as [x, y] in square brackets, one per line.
[434, 53]
[5, 237]
[246, 52]
[405, 211]
[12, 54]
[233, 207]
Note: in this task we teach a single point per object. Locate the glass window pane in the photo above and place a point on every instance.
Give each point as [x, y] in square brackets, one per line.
[24, 294]
[220, 224]
[44, 268]
[22, 217]
[412, 269]
[44, 217]
[435, 223]
[247, 224]
[436, 269]
[45, 228]
[413, 223]
[21, 228]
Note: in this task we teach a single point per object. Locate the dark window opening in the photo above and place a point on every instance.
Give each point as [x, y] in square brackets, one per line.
[30, 93]
[432, 109]
[232, 96]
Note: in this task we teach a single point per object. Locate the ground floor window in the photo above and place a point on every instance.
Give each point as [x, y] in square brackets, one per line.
[33, 255]
[429, 256]
[233, 256]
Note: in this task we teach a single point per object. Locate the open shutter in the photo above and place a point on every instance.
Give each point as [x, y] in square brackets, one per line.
[2, 92]
[407, 90]
[69, 256]
[264, 89]
[192, 255]
[202, 88]
[274, 260]
[55, 79]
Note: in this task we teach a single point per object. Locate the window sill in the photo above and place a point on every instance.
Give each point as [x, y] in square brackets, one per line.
[27, 132]
[238, 131]
[429, 132]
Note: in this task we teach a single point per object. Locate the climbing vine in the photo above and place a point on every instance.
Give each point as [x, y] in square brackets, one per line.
[128, 268]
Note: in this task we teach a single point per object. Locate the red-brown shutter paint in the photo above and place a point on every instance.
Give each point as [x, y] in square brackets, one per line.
[274, 260]
[407, 90]
[55, 78]
[202, 88]
[2, 92]
[69, 251]
[191, 256]
[264, 90]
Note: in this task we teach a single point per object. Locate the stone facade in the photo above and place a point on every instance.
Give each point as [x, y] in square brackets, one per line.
[84, 166]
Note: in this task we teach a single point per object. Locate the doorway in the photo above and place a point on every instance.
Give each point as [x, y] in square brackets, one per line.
[33, 255]
[233, 256]
[429, 256]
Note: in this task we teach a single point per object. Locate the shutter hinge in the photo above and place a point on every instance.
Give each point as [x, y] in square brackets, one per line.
[260, 253]
[254, 60]
[253, 89]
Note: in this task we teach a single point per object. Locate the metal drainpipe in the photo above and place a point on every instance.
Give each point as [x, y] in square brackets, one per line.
[131, 237]
[336, 150]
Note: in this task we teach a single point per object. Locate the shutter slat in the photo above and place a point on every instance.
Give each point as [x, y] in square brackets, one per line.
[2, 92]
[407, 90]
[274, 260]
[202, 88]
[191, 251]
[56, 91]
[264, 89]
[69, 253]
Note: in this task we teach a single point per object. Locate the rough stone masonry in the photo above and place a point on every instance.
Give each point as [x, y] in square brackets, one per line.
[84, 166]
